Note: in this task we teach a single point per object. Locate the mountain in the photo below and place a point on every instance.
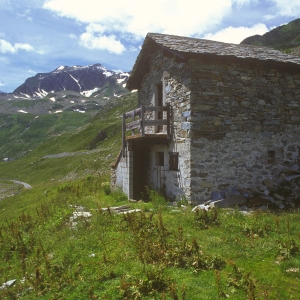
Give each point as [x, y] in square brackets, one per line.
[85, 80]
[78, 88]
[285, 38]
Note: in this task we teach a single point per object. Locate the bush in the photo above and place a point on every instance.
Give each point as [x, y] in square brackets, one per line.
[106, 188]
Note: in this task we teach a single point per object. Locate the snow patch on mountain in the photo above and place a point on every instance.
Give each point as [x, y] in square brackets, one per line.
[40, 93]
[75, 81]
[108, 74]
[89, 93]
[25, 95]
[121, 80]
[80, 111]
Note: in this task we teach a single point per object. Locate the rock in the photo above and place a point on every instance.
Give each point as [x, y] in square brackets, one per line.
[133, 201]
[277, 196]
[264, 208]
[129, 211]
[230, 201]
[291, 171]
[83, 214]
[8, 283]
[201, 206]
[288, 178]
[268, 183]
[217, 196]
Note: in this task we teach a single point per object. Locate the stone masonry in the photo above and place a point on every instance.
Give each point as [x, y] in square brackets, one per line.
[235, 122]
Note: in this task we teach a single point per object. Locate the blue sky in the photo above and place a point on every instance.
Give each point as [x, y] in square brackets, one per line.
[39, 35]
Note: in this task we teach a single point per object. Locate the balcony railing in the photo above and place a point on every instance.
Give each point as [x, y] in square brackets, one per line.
[141, 122]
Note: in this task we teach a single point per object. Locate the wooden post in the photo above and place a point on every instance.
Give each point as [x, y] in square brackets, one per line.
[168, 121]
[133, 117]
[123, 135]
[143, 120]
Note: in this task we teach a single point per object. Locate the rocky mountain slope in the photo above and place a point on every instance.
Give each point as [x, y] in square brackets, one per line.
[76, 88]
[285, 38]
[87, 81]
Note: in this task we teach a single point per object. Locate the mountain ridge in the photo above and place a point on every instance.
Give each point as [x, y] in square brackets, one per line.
[85, 80]
[76, 88]
[285, 38]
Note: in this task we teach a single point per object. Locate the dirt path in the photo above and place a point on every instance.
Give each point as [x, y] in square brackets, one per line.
[26, 185]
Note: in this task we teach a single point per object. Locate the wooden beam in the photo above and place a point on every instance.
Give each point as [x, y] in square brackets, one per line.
[123, 135]
[168, 121]
[133, 125]
[143, 120]
[132, 113]
[155, 108]
[155, 122]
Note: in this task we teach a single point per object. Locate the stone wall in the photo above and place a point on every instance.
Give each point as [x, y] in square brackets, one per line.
[122, 173]
[234, 123]
[243, 124]
[172, 74]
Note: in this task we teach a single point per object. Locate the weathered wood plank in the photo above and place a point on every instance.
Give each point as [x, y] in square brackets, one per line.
[132, 113]
[133, 125]
[155, 122]
[155, 108]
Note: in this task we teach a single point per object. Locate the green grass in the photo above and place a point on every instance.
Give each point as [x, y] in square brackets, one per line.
[22, 133]
[161, 253]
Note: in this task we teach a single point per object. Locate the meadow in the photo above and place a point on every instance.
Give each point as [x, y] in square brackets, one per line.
[62, 239]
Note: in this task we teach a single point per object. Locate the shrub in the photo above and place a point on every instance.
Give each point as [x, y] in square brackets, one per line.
[106, 188]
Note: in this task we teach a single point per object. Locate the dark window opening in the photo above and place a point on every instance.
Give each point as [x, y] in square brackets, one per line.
[159, 159]
[271, 157]
[173, 161]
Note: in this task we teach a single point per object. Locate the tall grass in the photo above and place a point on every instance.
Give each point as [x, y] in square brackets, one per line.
[160, 253]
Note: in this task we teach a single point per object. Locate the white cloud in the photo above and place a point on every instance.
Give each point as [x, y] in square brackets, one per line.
[94, 38]
[236, 34]
[2, 83]
[31, 72]
[140, 17]
[290, 8]
[25, 47]
[7, 47]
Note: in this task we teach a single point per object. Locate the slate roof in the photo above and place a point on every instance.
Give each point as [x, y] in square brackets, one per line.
[193, 45]
[186, 47]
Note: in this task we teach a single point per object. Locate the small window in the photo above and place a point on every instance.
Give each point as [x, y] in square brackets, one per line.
[173, 161]
[271, 157]
[159, 159]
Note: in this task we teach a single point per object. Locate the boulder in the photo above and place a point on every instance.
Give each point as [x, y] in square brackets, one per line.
[233, 200]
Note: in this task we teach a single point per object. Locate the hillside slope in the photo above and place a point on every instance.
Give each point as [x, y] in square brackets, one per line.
[285, 38]
[63, 150]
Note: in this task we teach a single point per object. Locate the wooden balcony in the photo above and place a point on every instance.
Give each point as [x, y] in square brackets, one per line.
[139, 122]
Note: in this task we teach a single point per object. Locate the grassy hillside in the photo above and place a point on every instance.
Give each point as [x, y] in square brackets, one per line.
[57, 242]
[285, 38]
[64, 135]
[162, 252]
[21, 133]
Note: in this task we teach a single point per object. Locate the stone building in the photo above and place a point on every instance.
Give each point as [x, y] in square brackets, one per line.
[213, 116]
